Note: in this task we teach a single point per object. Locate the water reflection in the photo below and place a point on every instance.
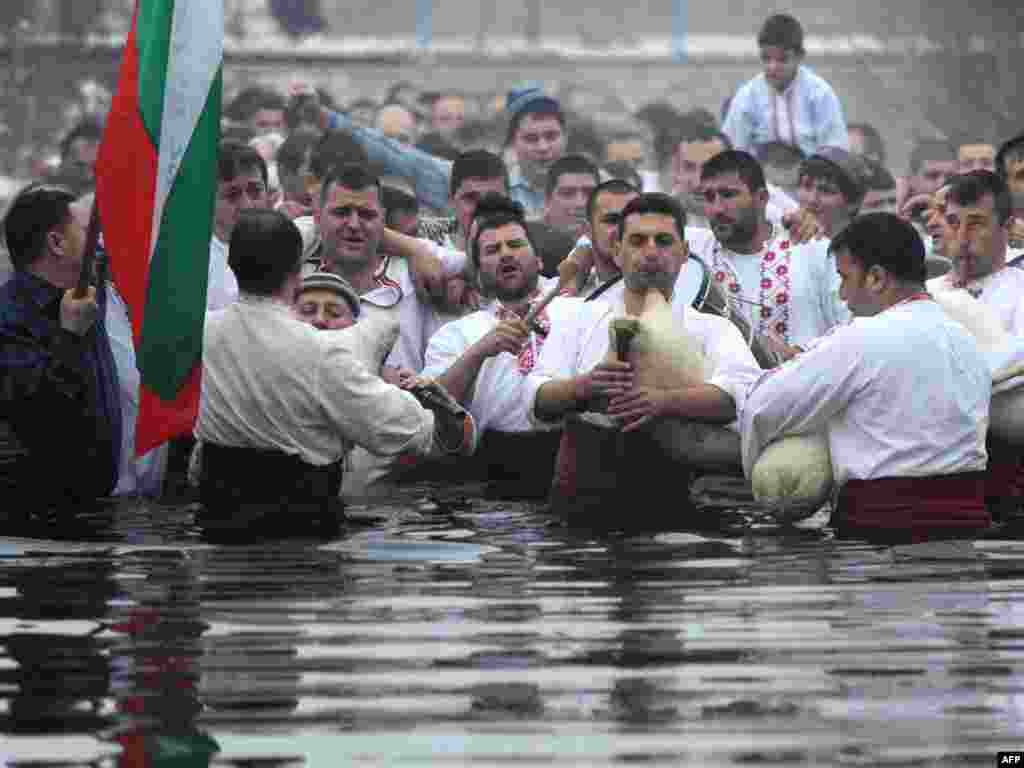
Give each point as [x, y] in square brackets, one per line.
[486, 632]
[156, 654]
[56, 673]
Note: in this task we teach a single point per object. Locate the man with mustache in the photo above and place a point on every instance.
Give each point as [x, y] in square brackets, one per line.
[605, 449]
[978, 225]
[786, 291]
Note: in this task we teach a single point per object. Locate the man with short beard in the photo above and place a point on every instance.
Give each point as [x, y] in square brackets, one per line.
[696, 145]
[482, 359]
[786, 291]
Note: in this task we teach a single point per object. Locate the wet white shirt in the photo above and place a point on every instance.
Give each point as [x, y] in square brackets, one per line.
[579, 344]
[143, 475]
[1002, 291]
[221, 286]
[271, 381]
[902, 394]
[499, 400]
[794, 296]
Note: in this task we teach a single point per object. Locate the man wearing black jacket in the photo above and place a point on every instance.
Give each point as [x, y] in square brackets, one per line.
[58, 383]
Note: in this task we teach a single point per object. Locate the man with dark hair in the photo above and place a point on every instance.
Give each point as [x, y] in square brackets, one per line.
[787, 102]
[696, 144]
[978, 217]
[978, 227]
[281, 401]
[932, 163]
[241, 184]
[882, 195]
[260, 108]
[1010, 167]
[438, 257]
[351, 222]
[482, 359]
[833, 183]
[78, 150]
[293, 162]
[570, 181]
[604, 214]
[902, 394]
[786, 291]
[866, 141]
[401, 209]
[597, 400]
[59, 395]
[537, 135]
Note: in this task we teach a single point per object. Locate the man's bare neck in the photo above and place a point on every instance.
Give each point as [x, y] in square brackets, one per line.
[363, 279]
[635, 300]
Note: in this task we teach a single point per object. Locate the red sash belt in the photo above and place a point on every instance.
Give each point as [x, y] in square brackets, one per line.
[917, 505]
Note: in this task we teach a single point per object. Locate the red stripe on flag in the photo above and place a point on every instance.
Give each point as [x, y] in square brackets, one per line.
[126, 169]
[160, 420]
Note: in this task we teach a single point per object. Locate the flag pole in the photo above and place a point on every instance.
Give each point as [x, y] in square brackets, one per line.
[92, 236]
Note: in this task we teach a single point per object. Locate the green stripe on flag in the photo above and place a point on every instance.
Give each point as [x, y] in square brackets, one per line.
[153, 35]
[170, 343]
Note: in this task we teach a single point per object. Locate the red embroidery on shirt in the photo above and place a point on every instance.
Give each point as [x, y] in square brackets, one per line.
[773, 298]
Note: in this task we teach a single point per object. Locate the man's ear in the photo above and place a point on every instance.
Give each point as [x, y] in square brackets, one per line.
[55, 241]
[616, 248]
[762, 196]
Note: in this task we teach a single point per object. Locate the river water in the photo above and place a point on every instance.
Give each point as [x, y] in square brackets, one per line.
[446, 629]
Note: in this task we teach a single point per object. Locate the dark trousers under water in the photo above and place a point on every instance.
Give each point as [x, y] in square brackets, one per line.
[607, 478]
[245, 487]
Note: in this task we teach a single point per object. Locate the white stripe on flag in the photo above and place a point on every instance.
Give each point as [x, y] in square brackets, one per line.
[195, 54]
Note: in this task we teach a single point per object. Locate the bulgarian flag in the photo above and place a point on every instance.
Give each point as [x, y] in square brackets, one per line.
[156, 181]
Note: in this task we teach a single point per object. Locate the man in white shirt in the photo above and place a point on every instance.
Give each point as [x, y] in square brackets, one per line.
[978, 220]
[351, 223]
[282, 401]
[787, 102]
[605, 455]
[482, 359]
[241, 184]
[978, 224]
[902, 393]
[786, 291]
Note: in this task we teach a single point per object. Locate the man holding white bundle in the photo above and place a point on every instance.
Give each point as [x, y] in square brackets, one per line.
[902, 394]
[606, 449]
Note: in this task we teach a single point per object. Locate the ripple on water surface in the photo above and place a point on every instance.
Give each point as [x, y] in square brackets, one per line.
[488, 632]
